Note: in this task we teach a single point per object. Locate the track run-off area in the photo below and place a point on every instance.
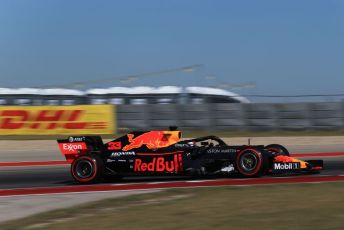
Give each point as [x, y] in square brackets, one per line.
[170, 184]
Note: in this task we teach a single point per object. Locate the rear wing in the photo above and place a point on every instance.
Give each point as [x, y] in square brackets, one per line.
[74, 146]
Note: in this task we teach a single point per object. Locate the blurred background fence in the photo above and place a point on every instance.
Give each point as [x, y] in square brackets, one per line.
[189, 108]
[234, 116]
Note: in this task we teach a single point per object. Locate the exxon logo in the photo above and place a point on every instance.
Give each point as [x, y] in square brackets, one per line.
[72, 147]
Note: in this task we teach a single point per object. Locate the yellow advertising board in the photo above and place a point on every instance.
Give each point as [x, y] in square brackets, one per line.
[57, 120]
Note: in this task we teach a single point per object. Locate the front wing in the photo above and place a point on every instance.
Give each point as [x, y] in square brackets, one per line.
[283, 164]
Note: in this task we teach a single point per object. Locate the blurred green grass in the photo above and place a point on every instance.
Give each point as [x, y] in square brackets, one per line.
[297, 206]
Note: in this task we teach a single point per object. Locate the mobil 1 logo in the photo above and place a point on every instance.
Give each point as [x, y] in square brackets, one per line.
[278, 166]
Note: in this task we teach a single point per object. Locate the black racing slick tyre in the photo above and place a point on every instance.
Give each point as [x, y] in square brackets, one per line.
[277, 150]
[87, 169]
[249, 162]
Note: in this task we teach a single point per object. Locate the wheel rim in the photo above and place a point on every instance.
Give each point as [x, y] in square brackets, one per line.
[84, 169]
[249, 162]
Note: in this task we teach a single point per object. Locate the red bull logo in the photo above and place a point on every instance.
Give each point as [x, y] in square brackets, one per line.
[153, 140]
[160, 164]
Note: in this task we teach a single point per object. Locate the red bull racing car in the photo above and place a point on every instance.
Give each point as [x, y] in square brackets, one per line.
[164, 153]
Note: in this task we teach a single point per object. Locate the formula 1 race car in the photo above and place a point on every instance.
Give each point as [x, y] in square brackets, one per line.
[164, 153]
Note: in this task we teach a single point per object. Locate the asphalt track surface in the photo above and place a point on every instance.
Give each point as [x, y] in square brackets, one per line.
[59, 175]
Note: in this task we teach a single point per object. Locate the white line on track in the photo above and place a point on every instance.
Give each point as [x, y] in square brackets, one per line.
[84, 192]
[159, 182]
[196, 181]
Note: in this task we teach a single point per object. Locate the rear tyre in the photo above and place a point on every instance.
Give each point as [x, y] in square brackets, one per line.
[249, 162]
[87, 169]
[277, 150]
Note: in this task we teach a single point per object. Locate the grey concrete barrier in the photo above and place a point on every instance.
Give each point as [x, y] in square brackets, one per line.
[162, 116]
[195, 117]
[234, 116]
[261, 117]
[133, 117]
[293, 116]
[227, 117]
[327, 116]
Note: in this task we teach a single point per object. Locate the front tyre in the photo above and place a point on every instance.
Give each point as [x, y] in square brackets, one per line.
[87, 169]
[249, 162]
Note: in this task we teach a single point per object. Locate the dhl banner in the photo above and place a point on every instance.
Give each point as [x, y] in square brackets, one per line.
[57, 120]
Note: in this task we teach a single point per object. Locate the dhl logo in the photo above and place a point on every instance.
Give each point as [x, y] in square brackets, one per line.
[46, 119]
